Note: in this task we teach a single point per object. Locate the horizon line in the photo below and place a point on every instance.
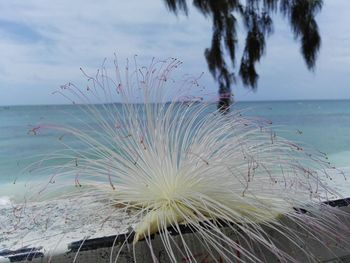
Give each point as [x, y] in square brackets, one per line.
[235, 101]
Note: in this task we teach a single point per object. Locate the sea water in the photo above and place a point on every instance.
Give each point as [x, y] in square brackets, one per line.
[322, 125]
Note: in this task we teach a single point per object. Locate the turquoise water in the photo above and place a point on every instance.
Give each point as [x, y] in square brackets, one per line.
[324, 125]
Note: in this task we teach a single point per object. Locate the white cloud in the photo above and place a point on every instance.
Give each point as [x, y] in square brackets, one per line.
[70, 34]
[82, 33]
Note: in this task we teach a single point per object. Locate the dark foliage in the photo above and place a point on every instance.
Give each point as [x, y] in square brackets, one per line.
[256, 17]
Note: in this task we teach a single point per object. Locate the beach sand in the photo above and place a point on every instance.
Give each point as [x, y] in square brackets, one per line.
[56, 223]
[53, 224]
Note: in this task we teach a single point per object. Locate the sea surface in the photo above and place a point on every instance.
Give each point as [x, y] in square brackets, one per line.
[322, 125]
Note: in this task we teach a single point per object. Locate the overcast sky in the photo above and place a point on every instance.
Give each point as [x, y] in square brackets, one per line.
[44, 43]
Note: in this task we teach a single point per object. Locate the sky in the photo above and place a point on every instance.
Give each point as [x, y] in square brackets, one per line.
[44, 43]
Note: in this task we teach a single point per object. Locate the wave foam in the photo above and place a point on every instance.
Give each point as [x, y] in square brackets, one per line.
[5, 201]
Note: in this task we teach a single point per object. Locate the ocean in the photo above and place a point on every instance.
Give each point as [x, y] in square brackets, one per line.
[322, 125]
